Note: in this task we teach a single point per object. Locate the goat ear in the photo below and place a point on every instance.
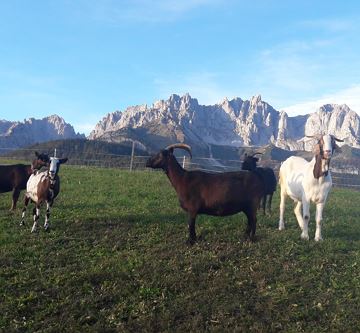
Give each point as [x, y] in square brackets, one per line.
[36, 154]
[63, 160]
[170, 150]
[316, 149]
[338, 140]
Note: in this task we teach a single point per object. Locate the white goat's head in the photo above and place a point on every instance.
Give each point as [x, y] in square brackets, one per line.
[326, 145]
[55, 165]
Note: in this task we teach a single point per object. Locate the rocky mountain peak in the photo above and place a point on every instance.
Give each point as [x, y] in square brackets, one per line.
[20, 134]
[255, 100]
[234, 122]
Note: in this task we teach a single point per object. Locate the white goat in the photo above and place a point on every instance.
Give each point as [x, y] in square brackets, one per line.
[305, 181]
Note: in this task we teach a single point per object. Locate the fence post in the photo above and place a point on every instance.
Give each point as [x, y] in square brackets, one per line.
[132, 156]
[183, 163]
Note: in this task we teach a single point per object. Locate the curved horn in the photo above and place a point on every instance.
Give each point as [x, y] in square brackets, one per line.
[338, 140]
[318, 136]
[256, 154]
[180, 146]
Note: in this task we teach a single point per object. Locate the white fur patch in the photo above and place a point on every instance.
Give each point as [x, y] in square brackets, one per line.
[32, 185]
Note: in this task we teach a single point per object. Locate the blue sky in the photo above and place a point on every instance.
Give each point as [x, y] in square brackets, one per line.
[81, 59]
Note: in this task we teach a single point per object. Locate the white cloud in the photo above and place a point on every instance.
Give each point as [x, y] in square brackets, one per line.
[349, 96]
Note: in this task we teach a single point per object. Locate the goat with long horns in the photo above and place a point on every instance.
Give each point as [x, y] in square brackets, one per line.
[218, 194]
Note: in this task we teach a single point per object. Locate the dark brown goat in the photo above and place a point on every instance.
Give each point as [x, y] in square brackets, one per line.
[209, 193]
[14, 177]
[268, 177]
[43, 187]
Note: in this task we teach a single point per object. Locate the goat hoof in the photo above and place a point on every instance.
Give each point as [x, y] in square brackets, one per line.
[304, 237]
[252, 238]
[318, 239]
[22, 223]
[191, 241]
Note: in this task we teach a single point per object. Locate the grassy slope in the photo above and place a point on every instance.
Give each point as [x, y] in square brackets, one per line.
[116, 260]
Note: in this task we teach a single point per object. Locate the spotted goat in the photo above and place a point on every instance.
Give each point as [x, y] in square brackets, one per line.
[43, 187]
[306, 182]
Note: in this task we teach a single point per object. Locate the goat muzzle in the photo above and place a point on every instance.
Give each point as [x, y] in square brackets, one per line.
[327, 154]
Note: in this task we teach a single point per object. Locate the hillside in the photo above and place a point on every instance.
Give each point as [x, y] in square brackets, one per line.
[80, 151]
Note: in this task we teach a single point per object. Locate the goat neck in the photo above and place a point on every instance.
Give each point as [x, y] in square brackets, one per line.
[323, 152]
[321, 166]
[174, 171]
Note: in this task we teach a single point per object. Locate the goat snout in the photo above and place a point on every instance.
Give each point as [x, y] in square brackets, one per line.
[327, 153]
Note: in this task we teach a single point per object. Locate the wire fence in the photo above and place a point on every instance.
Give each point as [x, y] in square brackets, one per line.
[345, 176]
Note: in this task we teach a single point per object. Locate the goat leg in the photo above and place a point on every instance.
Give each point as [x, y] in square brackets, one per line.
[15, 197]
[282, 209]
[319, 210]
[192, 232]
[269, 203]
[251, 227]
[47, 216]
[263, 203]
[305, 216]
[26, 202]
[36, 214]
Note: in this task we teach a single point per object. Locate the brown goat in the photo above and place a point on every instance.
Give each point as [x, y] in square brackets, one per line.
[43, 187]
[209, 193]
[14, 177]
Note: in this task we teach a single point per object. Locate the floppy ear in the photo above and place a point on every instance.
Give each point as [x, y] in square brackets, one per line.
[36, 154]
[316, 149]
[63, 160]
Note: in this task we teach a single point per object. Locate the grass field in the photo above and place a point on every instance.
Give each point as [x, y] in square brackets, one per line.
[115, 260]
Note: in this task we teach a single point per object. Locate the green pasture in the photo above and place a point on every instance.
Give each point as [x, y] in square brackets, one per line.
[115, 260]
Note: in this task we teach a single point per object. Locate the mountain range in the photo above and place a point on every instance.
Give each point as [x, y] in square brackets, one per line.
[230, 123]
[233, 122]
[16, 134]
